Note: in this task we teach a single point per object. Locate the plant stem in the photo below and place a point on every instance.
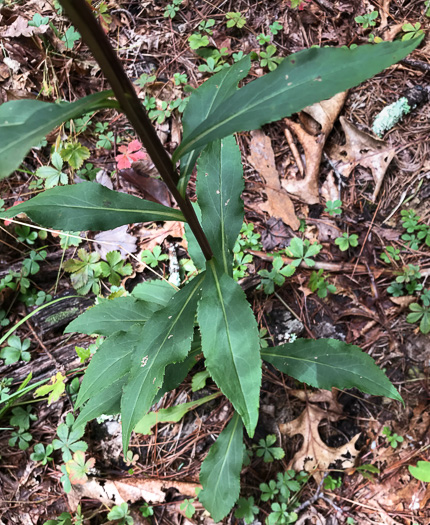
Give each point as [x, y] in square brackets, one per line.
[92, 33]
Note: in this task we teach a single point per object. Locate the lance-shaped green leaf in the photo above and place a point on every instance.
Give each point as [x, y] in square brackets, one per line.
[112, 361]
[230, 343]
[105, 402]
[220, 472]
[90, 206]
[203, 101]
[219, 187]
[24, 123]
[193, 247]
[300, 80]
[170, 415]
[166, 338]
[327, 363]
[112, 316]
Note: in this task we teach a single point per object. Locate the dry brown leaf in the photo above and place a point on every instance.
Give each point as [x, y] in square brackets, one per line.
[314, 453]
[278, 203]
[21, 28]
[128, 490]
[155, 236]
[362, 149]
[312, 132]
[116, 239]
[329, 189]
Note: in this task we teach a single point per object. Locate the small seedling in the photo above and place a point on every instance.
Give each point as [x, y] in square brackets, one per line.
[275, 28]
[121, 512]
[172, 9]
[302, 251]
[412, 31]
[115, 268]
[367, 20]
[188, 507]
[276, 276]
[280, 514]
[180, 78]
[196, 41]
[390, 254]
[267, 58]
[53, 176]
[68, 438]
[21, 437]
[267, 451]
[147, 79]
[318, 283]
[392, 439]
[153, 258]
[333, 207]
[269, 490]
[146, 510]
[22, 417]
[263, 39]
[16, 350]
[346, 241]
[25, 234]
[421, 314]
[246, 510]
[205, 26]
[41, 453]
[331, 483]
[70, 37]
[235, 19]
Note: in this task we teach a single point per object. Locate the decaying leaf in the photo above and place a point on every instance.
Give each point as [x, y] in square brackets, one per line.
[128, 490]
[316, 123]
[314, 453]
[278, 203]
[362, 149]
[77, 468]
[21, 28]
[116, 239]
[152, 189]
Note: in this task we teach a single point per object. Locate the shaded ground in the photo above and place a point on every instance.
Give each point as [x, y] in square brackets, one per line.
[361, 311]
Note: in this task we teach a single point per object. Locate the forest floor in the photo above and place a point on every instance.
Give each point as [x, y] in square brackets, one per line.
[361, 446]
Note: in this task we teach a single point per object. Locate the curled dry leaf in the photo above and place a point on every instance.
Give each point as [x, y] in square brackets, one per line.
[128, 490]
[362, 149]
[152, 189]
[314, 454]
[21, 28]
[278, 203]
[316, 123]
[116, 239]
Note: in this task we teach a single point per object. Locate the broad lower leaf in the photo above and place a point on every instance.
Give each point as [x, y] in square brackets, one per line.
[421, 471]
[219, 187]
[156, 291]
[105, 402]
[300, 80]
[327, 363]
[24, 123]
[220, 472]
[203, 102]
[112, 361]
[112, 316]
[90, 206]
[230, 343]
[166, 338]
[170, 415]
[177, 372]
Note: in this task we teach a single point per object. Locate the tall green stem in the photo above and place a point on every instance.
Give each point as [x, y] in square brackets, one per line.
[92, 33]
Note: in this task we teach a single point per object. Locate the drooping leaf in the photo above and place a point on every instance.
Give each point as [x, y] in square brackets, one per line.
[170, 415]
[90, 206]
[220, 472]
[327, 363]
[219, 187]
[155, 291]
[203, 102]
[111, 362]
[421, 471]
[300, 80]
[230, 343]
[112, 316]
[166, 338]
[24, 123]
